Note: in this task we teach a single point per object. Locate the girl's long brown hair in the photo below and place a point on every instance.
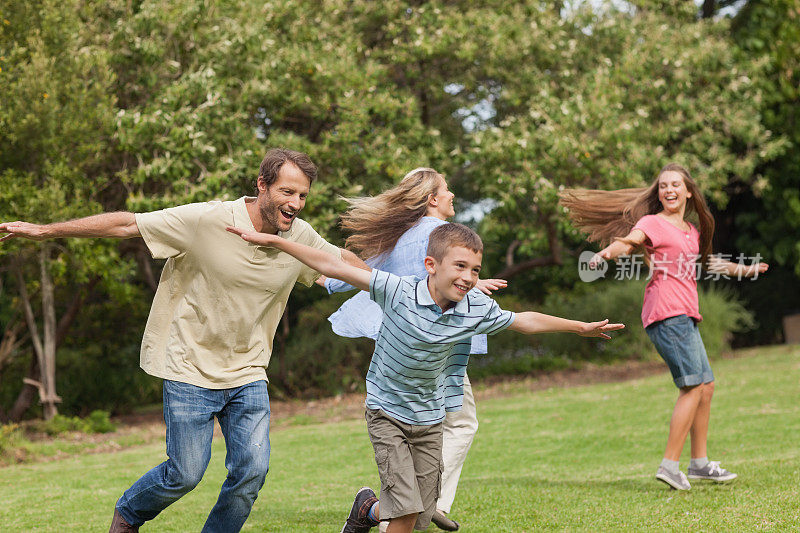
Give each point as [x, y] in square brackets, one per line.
[376, 223]
[607, 216]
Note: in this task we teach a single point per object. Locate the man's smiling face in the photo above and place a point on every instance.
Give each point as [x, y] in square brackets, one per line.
[280, 202]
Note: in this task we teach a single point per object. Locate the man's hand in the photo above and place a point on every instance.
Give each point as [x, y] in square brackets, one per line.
[487, 286]
[598, 329]
[262, 239]
[34, 232]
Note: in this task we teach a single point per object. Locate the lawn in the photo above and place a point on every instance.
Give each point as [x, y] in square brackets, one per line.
[579, 458]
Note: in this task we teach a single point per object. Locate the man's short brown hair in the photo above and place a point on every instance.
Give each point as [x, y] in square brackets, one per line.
[449, 235]
[277, 157]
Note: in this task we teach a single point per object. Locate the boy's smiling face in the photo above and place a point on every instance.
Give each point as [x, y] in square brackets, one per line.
[450, 279]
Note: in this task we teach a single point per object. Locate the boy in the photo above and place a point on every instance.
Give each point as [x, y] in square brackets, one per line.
[426, 328]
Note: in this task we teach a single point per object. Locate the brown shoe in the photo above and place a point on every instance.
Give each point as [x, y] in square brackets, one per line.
[119, 525]
[442, 522]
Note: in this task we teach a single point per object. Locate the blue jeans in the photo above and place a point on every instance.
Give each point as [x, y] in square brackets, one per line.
[189, 411]
[678, 342]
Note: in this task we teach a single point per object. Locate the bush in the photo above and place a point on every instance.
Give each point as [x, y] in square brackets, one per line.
[96, 422]
[11, 437]
[317, 362]
[512, 353]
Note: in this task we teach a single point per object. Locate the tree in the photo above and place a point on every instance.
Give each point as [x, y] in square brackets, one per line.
[54, 125]
[610, 100]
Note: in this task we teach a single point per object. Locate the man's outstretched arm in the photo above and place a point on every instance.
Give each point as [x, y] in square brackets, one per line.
[120, 225]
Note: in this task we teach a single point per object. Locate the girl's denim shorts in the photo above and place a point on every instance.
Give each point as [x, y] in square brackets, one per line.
[678, 342]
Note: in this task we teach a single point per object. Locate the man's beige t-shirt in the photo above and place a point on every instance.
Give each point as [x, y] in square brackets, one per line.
[220, 298]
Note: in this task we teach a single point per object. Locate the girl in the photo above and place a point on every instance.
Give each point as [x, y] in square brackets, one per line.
[654, 218]
[391, 232]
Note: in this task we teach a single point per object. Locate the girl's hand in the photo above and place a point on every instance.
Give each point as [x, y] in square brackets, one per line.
[758, 268]
[598, 259]
[486, 286]
[321, 281]
[262, 239]
[598, 329]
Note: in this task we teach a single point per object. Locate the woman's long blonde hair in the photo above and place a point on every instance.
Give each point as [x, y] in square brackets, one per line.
[376, 223]
[607, 216]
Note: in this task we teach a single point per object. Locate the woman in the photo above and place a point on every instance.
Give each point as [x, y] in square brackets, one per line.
[654, 218]
[390, 231]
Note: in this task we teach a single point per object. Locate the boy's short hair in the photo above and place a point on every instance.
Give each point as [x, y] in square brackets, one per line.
[449, 235]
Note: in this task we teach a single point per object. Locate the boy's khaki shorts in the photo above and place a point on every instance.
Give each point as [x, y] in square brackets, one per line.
[409, 462]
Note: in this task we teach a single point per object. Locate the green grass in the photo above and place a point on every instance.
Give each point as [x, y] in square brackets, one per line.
[562, 459]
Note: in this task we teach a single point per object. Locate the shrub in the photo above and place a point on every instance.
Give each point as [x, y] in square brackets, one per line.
[510, 352]
[11, 437]
[317, 362]
[97, 422]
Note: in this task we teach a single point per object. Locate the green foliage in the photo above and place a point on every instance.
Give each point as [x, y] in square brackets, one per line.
[11, 438]
[142, 105]
[771, 30]
[97, 422]
[512, 353]
[316, 362]
[607, 108]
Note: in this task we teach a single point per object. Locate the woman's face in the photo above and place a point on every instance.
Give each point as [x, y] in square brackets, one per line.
[442, 202]
[672, 192]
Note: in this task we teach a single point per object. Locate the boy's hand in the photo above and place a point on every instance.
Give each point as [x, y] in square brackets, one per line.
[486, 286]
[598, 329]
[262, 239]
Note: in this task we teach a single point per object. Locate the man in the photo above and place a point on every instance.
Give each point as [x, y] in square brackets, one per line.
[210, 330]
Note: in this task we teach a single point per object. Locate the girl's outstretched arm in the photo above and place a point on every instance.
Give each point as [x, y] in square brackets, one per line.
[717, 264]
[320, 261]
[622, 246]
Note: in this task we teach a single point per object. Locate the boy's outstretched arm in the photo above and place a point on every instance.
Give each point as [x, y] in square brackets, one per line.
[320, 261]
[531, 322]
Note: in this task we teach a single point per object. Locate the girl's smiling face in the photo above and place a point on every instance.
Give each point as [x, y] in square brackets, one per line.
[672, 192]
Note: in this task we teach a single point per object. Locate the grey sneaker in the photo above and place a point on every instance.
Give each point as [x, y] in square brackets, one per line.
[358, 521]
[676, 481]
[713, 472]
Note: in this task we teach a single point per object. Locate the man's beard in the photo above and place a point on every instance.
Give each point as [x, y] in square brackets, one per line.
[271, 215]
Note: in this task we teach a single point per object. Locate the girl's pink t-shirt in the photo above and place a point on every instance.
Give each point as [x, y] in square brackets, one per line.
[672, 289]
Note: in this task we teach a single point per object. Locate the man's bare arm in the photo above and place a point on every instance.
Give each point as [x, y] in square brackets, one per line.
[119, 225]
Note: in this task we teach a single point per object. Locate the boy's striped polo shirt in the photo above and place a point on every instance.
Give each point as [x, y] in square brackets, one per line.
[418, 346]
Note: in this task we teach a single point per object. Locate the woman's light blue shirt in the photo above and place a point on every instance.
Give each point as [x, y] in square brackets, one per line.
[361, 317]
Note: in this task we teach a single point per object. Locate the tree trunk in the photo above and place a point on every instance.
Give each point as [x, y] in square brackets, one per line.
[49, 345]
[709, 8]
[26, 395]
[45, 350]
